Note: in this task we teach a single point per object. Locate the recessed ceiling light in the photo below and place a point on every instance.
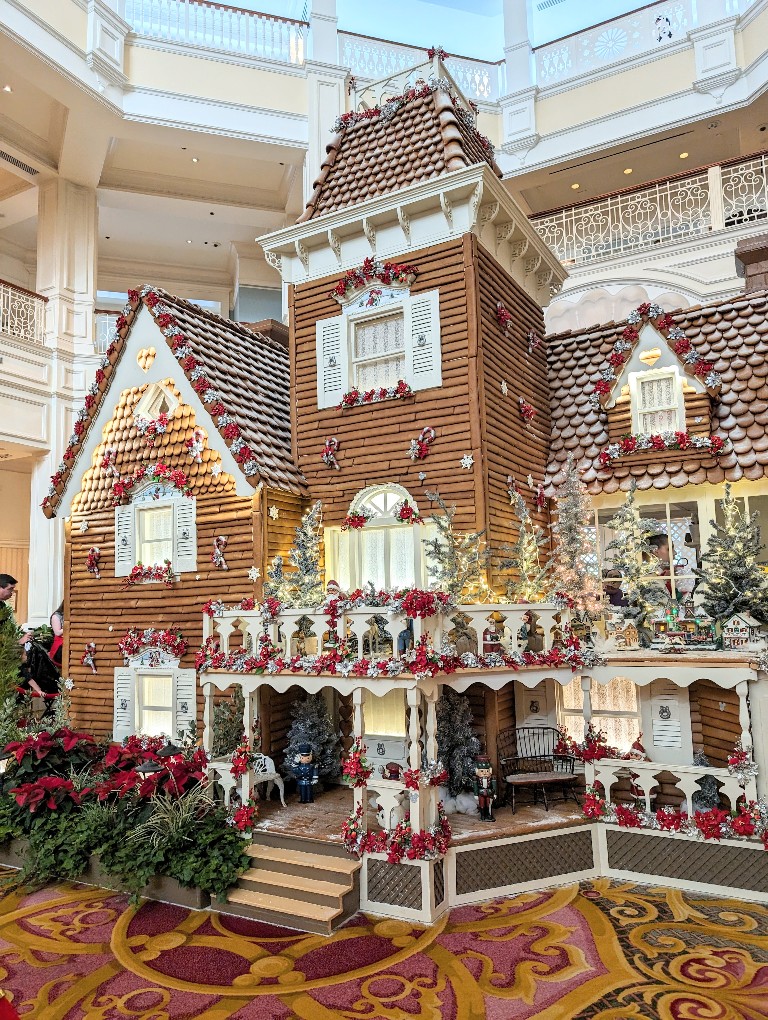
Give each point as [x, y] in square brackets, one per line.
[575, 187]
[195, 159]
[189, 242]
[7, 88]
[683, 155]
[628, 170]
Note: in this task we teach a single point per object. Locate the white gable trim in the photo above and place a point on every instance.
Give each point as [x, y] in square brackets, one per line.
[145, 333]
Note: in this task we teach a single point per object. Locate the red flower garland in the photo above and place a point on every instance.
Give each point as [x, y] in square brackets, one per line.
[527, 411]
[135, 641]
[157, 473]
[356, 398]
[140, 574]
[385, 272]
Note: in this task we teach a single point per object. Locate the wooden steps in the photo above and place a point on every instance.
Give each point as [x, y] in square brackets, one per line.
[314, 887]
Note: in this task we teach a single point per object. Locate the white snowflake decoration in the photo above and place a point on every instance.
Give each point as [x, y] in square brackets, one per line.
[216, 469]
[467, 461]
[274, 513]
[422, 476]
[254, 574]
[83, 525]
[69, 684]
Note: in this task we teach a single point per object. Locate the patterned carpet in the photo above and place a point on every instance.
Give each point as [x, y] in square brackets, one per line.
[606, 950]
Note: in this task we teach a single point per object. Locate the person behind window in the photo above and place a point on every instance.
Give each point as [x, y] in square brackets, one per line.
[612, 586]
[57, 626]
[659, 546]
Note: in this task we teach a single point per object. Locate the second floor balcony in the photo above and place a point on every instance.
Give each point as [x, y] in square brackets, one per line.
[22, 314]
[711, 199]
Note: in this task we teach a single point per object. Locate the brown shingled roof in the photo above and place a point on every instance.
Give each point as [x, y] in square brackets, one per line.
[424, 138]
[249, 371]
[731, 334]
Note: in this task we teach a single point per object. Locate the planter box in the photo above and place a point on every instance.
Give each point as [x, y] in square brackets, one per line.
[161, 888]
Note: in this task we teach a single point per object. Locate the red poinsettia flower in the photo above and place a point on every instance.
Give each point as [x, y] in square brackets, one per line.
[602, 386]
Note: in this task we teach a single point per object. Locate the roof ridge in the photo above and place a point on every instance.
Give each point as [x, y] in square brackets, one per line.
[208, 314]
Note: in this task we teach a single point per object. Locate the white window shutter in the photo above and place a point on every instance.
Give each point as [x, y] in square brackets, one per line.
[124, 709]
[422, 341]
[124, 541]
[184, 698]
[666, 725]
[185, 535]
[332, 361]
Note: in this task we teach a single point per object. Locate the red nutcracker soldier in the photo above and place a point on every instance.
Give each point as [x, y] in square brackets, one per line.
[485, 787]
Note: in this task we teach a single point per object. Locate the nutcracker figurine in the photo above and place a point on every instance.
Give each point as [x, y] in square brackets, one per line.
[307, 774]
[485, 789]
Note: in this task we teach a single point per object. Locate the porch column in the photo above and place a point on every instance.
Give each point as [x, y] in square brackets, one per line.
[742, 689]
[418, 802]
[429, 793]
[518, 104]
[358, 733]
[586, 687]
[250, 718]
[208, 719]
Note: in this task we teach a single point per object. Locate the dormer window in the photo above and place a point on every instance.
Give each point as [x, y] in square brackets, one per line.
[156, 401]
[381, 336]
[657, 401]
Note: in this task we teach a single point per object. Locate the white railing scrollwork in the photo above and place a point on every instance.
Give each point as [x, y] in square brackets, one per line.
[682, 207]
[642, 32]
[684, 778]
[219, 27]
[103, 324]
[22, 314]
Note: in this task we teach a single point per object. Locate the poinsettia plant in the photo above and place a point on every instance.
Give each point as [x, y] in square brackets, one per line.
[141, 575]
[355, 768]
[244, 817]
[357, 519]
[403, 511]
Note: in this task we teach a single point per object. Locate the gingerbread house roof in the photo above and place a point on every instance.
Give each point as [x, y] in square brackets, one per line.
[411, 138]
[241, 376]
[732, 336]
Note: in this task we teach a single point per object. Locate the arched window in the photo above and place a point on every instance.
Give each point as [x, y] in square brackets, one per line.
[386, 552]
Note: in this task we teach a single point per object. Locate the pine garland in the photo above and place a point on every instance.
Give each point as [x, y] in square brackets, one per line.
[457, 559]
[530, 578]
[733, 580]
[10, 652]
[303, 588]
[576, 546]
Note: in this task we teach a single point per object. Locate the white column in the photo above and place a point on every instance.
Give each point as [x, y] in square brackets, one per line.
[742, 689]
[323, 31]
[758, 707]
[326, 86]
[518, 106]
[358, 733]
[46, 545]
[208, 718]
[586, 687]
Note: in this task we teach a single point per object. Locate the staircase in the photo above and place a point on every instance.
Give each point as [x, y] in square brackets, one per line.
[296, 882]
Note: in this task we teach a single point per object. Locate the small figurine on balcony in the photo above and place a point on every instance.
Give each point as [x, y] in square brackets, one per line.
[307, 774]
[485, 788]
[493, 633]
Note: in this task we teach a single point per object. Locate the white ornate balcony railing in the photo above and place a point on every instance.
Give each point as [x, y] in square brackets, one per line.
[372, 59]
[642, 32]
[671, 210]
[22, 314]
[219, 27]
[609, 771]
[103, 324]
[237, 628]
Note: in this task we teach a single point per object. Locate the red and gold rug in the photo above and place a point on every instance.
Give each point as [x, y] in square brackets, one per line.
[607, 950]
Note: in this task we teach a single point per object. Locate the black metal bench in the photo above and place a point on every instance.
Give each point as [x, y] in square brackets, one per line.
[527, 760]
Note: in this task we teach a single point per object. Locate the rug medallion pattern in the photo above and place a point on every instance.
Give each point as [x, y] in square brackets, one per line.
[603, 951]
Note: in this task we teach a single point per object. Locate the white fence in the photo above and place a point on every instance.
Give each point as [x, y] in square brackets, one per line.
[220, 27]
[374, 59]
[22, 314]
[672, 210]
[609, 771]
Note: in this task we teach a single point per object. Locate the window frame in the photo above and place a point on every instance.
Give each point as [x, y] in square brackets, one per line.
[636, 380]
[362, 317]
[140, 707]
[565, 715]
[147, 407]
[141, 512]
[183, 530]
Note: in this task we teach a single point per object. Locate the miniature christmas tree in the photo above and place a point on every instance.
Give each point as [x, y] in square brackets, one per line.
[574, 572]
[303, 587]
[632, 557]
[456, 559]
[313, 725]
[457, 745]
[733, 580]
[524, 559]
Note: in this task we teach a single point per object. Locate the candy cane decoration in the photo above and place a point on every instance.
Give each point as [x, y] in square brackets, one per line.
[89, 656]
[330, 449]
[420, 447]
[217, 556]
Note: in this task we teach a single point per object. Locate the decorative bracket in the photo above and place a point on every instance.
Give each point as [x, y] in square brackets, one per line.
[303, 255]
[405, 222]
[335, 242]
[369, 230]
[445, 205]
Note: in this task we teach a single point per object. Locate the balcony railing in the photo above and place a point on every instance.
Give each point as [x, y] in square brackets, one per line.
[22, 314]
[220, 27]
[672, 210]
[103, 324]
[683, 778]
[373, 59]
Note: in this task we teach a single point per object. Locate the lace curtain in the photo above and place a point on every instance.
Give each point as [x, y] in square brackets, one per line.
[658, 405]
[379, 352]
[155, 535]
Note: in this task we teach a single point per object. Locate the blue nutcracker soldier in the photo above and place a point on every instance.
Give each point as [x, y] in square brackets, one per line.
[307, 774]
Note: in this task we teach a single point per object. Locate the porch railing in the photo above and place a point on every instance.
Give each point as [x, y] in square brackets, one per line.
[683, 778]
[219, 27]
[235, 628]
[371, 59]
[681, 207]
[22, 314]
[103, 323]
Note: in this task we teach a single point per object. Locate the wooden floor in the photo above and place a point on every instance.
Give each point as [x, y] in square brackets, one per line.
[323, 819]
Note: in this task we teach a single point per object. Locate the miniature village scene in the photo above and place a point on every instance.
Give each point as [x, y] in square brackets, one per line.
[408, 603]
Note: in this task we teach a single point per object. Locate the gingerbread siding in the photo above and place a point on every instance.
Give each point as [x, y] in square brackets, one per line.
[374, 439]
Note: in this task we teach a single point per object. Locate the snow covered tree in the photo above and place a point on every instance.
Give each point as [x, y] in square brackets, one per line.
[303, 587]
[641, 585]
[456, 559]
[457, 745]
[733, 580]
[524, 559]
[574, 570]
[313, 725]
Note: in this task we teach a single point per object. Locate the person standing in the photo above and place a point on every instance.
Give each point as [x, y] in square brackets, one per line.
[57, 647]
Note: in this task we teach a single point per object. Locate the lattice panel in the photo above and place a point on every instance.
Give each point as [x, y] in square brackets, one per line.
[439, 874]
[708, 863]
[398, 884]
[530, 861]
